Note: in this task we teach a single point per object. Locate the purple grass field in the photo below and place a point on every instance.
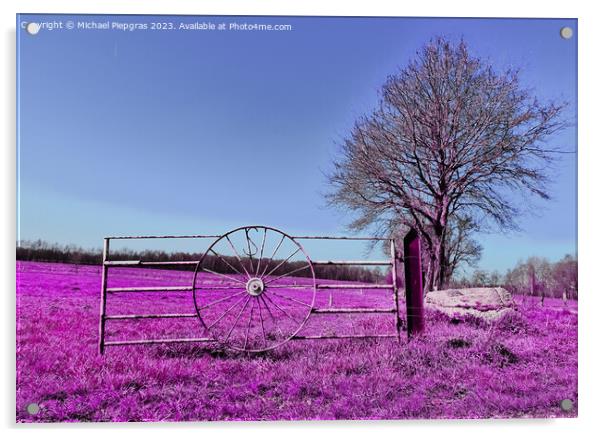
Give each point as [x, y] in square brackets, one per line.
[521, 366]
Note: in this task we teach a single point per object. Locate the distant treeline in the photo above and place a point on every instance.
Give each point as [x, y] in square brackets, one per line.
[46, 252]
[535, 277]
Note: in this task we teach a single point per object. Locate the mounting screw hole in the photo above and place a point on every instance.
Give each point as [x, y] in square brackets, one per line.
[32, 28]
[566, 32]
[33, 408]
[566, 405]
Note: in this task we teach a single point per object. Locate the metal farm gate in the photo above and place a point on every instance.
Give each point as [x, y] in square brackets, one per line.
[247, 297]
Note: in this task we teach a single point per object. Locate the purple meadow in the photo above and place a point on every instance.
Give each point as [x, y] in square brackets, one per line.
[524, 365]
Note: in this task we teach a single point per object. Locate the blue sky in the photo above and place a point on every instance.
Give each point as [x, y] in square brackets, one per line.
[152, 132]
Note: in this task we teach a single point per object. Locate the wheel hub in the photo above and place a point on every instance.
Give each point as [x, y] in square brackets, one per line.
[255, 286]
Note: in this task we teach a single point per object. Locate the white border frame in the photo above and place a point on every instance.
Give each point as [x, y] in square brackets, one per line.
[590, 210]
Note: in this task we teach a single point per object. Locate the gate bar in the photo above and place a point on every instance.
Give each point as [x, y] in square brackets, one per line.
[125, 263]
[149, 316]
[144, 237]
[312, 237]
[302, 237]
[351, 263]
[354, 286]
[143, 289]
[352, 310]
[329, 337]
[159, 341]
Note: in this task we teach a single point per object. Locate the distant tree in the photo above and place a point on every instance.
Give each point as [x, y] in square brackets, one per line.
[495, 279]
[564, 273]
[540, 277]
[516, 279]
[480, 278]
[452, 141]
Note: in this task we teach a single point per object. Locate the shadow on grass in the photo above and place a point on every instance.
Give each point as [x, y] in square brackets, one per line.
[188, 351]
[215, 351]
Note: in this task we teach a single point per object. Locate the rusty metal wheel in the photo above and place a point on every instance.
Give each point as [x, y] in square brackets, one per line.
[249, 301]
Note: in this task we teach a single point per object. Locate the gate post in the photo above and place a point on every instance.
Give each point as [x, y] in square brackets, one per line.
[396, 282]
[103, 298]
[413, 283]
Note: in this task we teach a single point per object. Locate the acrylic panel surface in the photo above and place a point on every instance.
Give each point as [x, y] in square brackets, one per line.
[256, 137]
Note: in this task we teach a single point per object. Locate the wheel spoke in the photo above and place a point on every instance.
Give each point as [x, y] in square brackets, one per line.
[273, 254]
[237, 319]
[249, 325]
[265, 231]
[283, 261]
[249, 247]
[265, 340]
[274, 322]
[286, 274]
[225, 276]
[232, 286]
[210, 304]
[284, 312]
[216, 321]
[237, 255]
[291, 299]
[223, 259]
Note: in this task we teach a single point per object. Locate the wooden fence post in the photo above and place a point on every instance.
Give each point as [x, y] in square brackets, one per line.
[413, 283]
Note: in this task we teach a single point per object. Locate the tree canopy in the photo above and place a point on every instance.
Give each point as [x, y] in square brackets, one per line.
[450, 149]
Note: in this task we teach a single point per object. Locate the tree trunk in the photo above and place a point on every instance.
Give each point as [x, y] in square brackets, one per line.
[435, 260]
[442, 279]
[438, 257]
[532, 281]
[428, 275]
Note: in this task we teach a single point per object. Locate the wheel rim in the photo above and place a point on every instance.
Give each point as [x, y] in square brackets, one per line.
[254, 288]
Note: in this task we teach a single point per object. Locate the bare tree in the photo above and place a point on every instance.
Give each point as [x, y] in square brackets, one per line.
[450, 138]
[517, 279]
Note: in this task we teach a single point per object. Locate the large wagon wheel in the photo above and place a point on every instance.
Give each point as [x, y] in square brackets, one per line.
[254, 288]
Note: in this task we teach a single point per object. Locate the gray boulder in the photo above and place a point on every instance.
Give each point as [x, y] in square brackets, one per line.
[485, 303]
